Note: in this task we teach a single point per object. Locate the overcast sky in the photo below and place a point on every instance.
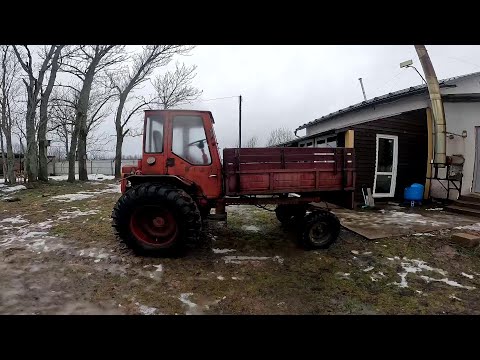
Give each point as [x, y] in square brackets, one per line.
[286, 86]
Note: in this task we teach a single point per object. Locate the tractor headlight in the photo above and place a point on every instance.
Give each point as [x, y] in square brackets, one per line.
[151, 160]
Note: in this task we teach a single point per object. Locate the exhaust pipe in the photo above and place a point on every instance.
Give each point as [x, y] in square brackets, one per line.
[437, 105]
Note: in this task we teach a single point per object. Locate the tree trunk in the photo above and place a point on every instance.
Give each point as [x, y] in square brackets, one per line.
[42, 126]
[119, 129]
[42, 152]
[82, 149]
[118, 156]
[10, 158]
[4, 167]
[72, 153]
[31, 155]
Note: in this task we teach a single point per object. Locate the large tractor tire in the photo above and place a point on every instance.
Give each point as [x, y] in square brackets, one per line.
[156, 219]
[320, 229]
[288, 214]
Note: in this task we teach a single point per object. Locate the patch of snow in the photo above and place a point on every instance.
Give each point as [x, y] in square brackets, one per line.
[97, 177]
[15, 220]
[434, 209]
[367, 253]
[391, 259]
[447, 281]
[242, 259]
[414, 266]
[72, 197]
[355, 252]
[467, 275]
[192, 307]
[419, 292]
[278, 259]
[251, 228]
[146, 310]
[474, 227]
[370, 268]
[374, 279]
[11, 189]
[220, 277]
[158, 267]
[344, 275]
[222, 251]
[454, 297]
[237, 278]
[76, 213]
[423, 234]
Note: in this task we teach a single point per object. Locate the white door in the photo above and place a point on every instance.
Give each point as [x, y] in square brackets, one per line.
[476, 184]
[385, 166]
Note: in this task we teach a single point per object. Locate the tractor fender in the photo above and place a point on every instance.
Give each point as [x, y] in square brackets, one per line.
[180, 182]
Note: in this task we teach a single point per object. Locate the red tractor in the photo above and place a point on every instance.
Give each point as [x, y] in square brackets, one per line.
[180, 178]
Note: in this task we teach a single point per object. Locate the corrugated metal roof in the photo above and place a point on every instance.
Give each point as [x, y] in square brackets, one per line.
[383, 99]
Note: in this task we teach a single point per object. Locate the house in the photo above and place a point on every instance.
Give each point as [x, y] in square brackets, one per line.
[393, 138]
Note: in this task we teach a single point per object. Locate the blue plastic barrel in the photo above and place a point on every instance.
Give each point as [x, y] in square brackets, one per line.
[414, 192]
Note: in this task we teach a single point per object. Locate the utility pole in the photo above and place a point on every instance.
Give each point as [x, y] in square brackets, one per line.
[240, 121]
[363, 90]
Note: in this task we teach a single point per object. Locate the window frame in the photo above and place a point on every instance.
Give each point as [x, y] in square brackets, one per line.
[147, 120]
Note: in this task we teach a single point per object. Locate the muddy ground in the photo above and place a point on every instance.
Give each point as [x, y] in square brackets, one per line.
[58, 255]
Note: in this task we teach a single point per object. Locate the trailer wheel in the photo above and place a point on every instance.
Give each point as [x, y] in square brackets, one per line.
[320, 230]
[286, 214]
[156, 219]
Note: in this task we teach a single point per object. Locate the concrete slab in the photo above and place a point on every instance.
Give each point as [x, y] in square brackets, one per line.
[466, 240]
[395, 220]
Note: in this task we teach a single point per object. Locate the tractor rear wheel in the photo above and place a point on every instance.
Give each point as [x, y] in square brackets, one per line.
[287, 214]
[156, 219]
[320, 229]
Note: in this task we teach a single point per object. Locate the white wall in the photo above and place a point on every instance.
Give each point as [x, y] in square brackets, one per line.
[105, 167]
[460, 117]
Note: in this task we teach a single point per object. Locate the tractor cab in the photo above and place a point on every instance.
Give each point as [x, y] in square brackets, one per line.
[180, 146]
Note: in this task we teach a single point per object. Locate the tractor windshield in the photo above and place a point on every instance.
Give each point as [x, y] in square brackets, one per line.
[154, 134]
[189, 140]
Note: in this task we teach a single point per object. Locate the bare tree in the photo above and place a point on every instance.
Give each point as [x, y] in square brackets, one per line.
[175, 88]
[124, 82]
[252, 142]
[62, 113]
[8, 95]
[62, 109]
[279, 136]
[34, 89]
[43, 123]
[86, 63]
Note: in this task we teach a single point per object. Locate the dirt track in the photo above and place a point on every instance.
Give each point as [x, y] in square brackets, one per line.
[58, 255]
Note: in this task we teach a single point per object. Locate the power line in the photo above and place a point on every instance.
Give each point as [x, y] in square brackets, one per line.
[220, 98]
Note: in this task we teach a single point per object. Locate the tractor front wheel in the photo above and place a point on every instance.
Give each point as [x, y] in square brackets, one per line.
[156, 219]
[320, 229]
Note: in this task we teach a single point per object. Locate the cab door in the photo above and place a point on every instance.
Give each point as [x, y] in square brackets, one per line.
[154, 143]
[192, 152]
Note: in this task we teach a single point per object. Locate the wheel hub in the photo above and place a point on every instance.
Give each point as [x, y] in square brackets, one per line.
[154, 225]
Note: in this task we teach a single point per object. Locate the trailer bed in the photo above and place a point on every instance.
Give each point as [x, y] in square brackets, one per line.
[261, 171]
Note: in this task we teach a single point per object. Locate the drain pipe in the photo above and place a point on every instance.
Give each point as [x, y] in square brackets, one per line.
[437, 106]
